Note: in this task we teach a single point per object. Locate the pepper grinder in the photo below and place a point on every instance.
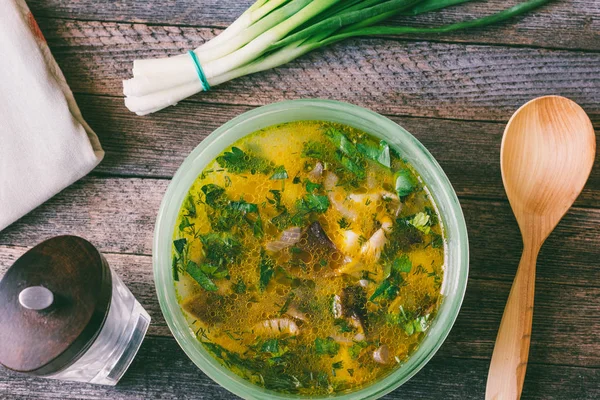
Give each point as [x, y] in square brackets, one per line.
[64, 314]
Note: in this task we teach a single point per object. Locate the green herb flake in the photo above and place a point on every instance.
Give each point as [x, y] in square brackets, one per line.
[237, 161]
[205, 173]
[180, 245]
[244, 206]
[213, 195]
[175, 269]
[295, 250]
[270, 346]
[337, 365]
[282, 220]
[316, 203]
[266, 270]
[351, 165]
[311, 186]
[185, 223]
[221, 249]
[422, 222]
[190, 206]
[419, 270]
[343, 325]
[239, 287]
[341, 142]
[279, 173]
[380, 153]
[402, 264]
[437, 241]
[362, 240]
[315, 150]
[289, 299]
[355, 350]
[405, 183]
[327, 346]
[344, 224]
[350, 371]
[381, 289]
[203, 280]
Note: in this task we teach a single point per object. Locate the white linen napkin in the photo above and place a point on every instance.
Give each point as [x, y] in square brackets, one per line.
[45, 145]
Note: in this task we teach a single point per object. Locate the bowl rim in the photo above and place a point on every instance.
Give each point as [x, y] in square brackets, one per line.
[178, 189]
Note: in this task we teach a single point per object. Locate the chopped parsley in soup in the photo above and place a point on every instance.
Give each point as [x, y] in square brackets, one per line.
[308, 258]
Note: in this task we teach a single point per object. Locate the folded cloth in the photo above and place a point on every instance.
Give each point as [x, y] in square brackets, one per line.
[45, 145]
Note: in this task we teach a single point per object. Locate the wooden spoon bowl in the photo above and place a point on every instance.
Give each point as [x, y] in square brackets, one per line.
[548, 150]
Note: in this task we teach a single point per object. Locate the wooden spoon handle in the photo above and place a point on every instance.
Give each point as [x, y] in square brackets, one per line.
[509, 360]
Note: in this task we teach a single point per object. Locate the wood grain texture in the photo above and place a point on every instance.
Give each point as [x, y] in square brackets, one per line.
[155, 146]
[574, 23]
[389, 76]
[162, 371]
[117, 215]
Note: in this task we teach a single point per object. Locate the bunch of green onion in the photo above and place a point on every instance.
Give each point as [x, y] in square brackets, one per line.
[273, 32]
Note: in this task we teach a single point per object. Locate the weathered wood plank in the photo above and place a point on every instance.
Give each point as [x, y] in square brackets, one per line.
[389, 76]
[469, 152]
[565, 323]
[573, 23]
[162, 371]
[566, 326]
[118, 216]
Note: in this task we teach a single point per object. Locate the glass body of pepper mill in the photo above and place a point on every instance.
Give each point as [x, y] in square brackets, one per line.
[64, 314]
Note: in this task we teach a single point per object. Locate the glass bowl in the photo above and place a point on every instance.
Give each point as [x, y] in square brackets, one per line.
[457, 257]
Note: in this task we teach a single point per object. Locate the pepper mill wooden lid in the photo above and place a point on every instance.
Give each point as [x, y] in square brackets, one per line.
[53, 303]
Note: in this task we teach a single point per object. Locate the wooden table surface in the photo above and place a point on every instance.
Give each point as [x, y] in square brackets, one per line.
[455, 93]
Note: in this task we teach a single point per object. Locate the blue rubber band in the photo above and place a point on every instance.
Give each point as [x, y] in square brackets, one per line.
[199, 71]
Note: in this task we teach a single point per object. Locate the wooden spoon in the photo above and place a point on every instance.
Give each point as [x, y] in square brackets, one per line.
[547, 154]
